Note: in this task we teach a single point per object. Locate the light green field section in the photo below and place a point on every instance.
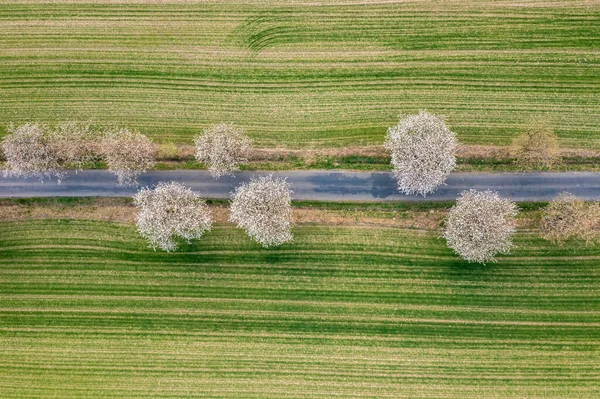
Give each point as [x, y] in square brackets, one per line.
[320, 74]
[87, 311]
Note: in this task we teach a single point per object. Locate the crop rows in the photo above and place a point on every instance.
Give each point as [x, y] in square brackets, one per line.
[328, 74]
[88, 311]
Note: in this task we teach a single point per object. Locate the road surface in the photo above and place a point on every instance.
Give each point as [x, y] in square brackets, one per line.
[318, 185]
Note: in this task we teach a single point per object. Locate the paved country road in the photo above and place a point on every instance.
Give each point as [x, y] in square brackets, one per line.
[318, 185]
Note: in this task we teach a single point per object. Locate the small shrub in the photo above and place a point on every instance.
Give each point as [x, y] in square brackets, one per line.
[568, 216]
[537, 146]
[167, 151]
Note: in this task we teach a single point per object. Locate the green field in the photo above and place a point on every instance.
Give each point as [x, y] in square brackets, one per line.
[306, 73]
[87, 311]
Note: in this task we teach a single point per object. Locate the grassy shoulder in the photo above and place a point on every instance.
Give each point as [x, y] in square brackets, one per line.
[470, 158]
[382, 164]
[88, 310]
[375, 164]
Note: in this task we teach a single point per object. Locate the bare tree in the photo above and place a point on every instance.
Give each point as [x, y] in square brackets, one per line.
[171, 211]
[263, 208]
[127, 153]
[481, 225]
[30, 152]
[223, 147]
[75, 143]
[568, 216]
[422, 150]
[537, 146]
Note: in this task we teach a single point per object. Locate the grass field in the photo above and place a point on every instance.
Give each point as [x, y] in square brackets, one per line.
[308, 73]
[87, 311]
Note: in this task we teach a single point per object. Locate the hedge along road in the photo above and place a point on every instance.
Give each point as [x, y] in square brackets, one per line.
[317, 185]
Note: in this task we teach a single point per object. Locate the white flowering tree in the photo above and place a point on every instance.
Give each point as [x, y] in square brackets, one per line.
[263, 208]
[223, 147]
[75, 143]
[171, 211]
[568, 216]
[127, 153]
[422, 149]
[30, 152]
[481, 225]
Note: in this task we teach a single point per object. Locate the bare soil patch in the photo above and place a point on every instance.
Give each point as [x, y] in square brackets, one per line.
[186, 152]
[121, 210]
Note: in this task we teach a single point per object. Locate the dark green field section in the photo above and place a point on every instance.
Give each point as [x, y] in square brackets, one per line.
[321, 74]
[87, 311]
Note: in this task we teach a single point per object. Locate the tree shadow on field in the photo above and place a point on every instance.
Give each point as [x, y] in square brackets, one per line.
[461, 270]
[273, 257]
[248, 252]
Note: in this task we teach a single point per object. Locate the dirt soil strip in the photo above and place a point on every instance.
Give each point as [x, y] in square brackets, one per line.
[186, 152]
[121, 210]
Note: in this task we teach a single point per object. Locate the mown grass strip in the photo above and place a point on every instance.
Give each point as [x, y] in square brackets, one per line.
[87, 310]
[325, 74]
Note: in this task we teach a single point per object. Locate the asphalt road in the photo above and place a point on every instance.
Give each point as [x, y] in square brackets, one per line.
[318, 185]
